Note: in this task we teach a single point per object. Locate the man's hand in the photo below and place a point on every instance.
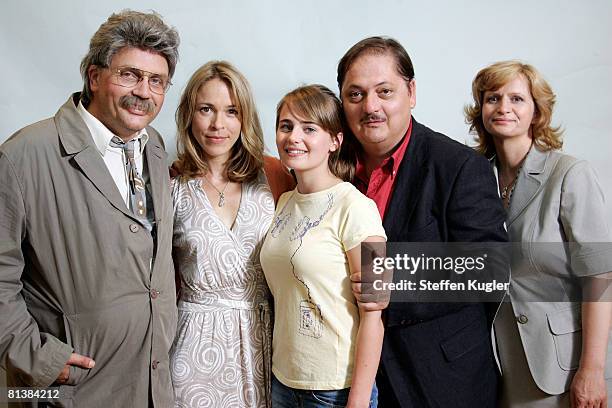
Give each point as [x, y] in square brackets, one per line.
[363, 275]
[369, 299]
[76, 360]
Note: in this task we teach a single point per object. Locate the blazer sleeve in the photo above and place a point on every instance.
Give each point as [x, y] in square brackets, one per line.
[36, 358]
[475, 211]
[583, 216]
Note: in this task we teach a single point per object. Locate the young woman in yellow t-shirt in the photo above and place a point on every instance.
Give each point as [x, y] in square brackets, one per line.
[325, 348]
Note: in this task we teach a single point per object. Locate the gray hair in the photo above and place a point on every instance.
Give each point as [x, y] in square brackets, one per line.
[129, 28]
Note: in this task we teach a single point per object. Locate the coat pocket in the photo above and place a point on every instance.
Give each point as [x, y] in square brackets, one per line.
[115, 338]
[464, 341]
[566, 329]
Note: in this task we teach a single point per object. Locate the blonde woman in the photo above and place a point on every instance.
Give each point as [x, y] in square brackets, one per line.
[552, 353]
[223, 207]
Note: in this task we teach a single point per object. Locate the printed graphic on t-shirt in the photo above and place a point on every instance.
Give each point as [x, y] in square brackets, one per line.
[310, 314]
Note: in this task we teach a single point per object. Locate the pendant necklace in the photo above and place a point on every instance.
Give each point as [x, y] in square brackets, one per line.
[221, 193]
[507, 190]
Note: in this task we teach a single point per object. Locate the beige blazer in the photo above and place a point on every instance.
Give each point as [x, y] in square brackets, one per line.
[557, 199]
[79, 272]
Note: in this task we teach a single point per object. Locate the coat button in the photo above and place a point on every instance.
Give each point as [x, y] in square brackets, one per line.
[134, 228]
[154, 293]
[522, 319]
[154, 364]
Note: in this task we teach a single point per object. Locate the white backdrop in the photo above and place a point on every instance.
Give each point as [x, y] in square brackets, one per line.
[279, 45]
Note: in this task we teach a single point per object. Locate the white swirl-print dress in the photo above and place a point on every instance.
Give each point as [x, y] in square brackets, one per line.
[221, 354]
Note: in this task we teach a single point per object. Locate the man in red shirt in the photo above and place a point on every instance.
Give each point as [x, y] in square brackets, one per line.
[428, 188]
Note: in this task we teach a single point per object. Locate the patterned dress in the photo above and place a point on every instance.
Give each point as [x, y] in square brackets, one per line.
[221, 354]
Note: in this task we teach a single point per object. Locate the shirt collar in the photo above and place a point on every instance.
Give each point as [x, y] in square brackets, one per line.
[102, 135]
[393, 162]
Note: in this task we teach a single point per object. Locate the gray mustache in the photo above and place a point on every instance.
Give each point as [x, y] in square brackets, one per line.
[131, 101]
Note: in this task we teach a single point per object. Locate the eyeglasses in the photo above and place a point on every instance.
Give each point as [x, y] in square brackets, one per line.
[129, 77]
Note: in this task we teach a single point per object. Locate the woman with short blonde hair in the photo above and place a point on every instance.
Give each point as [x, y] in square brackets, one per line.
[544, 135]
[553, 352]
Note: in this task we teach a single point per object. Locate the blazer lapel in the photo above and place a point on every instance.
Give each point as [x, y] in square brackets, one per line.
[77, 142]
[408, 183]
[529, 181]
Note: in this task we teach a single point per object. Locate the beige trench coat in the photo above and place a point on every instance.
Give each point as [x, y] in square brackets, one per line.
[75, 269]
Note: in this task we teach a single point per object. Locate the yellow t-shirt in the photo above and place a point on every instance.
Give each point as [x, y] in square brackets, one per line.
[304, 260]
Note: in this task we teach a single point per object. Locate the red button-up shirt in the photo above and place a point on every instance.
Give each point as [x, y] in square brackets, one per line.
[379, 186]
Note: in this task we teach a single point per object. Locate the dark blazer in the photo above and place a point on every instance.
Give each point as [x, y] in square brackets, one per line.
[440, 354]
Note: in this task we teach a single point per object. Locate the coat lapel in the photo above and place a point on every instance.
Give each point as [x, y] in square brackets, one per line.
[531, 177]
[408, 183]
[91, 164]
[78, 143]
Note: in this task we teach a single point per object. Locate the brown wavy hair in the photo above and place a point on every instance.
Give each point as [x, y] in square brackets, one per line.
[246, 159]
[493, 77]
[318, 104]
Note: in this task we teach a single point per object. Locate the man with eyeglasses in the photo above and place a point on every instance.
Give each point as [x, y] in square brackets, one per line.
[87, 298]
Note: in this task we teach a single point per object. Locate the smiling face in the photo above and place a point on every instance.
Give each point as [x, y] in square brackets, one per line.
[124, 110]
[508, 112]
[377, 102]
[216, 122]
[302, 145]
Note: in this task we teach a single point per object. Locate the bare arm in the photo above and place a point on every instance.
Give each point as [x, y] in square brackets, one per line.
[279, 178]
[588, 387]
[369, 341]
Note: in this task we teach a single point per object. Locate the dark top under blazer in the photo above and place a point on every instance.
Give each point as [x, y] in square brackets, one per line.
[444, 192]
